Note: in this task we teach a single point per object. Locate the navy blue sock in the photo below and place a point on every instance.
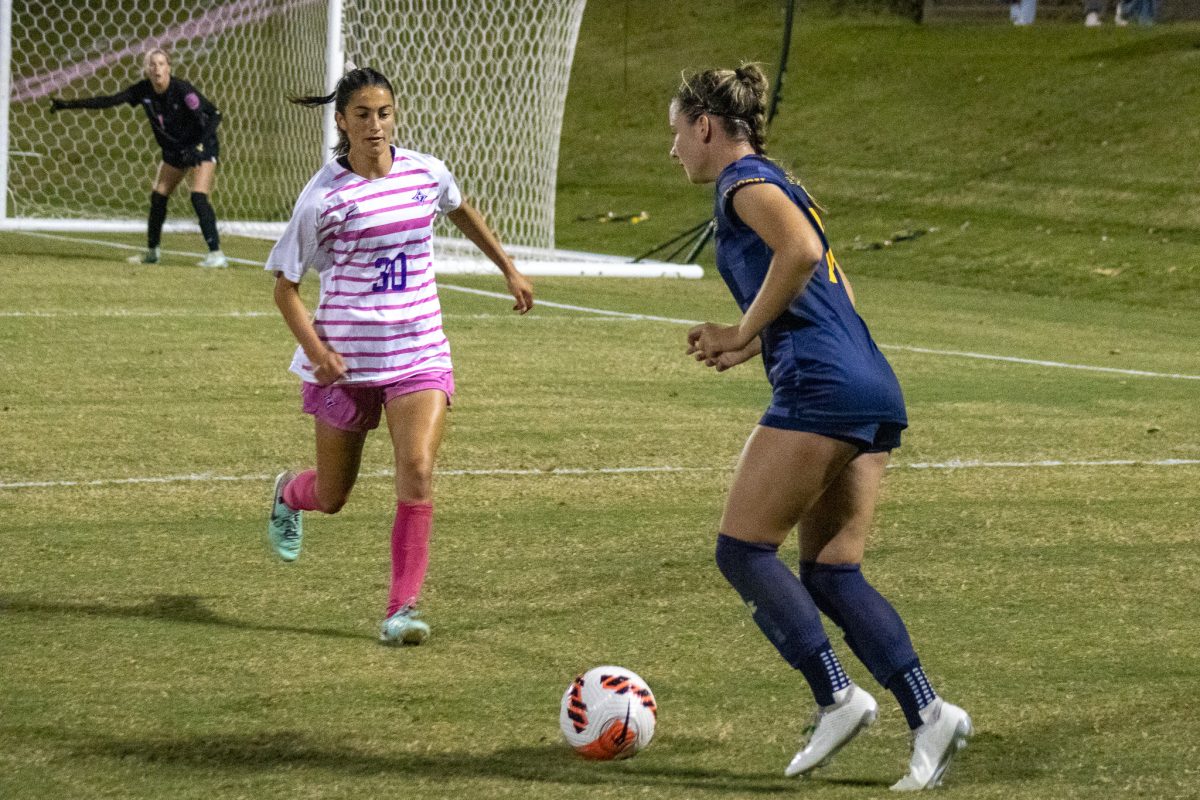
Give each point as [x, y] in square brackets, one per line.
[873, 630]
[783, 611]
[158, 215]
[913, 692]
[208, 220]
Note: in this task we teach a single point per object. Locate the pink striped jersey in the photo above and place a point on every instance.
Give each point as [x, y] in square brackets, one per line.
[371, 242]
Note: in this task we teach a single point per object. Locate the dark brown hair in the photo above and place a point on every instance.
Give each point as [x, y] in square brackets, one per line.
[350, 83]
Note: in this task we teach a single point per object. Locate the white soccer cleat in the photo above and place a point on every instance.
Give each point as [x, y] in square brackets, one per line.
[215, 259]
[832, 727]
[944, 732]
[1092, 20]
[404, 627]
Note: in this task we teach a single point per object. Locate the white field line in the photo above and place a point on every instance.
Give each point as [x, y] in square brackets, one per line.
[556, 472]
[1039, 363]
[131, 314]
[135, 248]
[566, 307]
[652, 318]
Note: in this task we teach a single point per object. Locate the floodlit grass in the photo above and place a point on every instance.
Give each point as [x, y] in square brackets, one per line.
[150, 647]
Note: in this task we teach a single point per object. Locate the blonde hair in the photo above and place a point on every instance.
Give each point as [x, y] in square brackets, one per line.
[155, 51]
[736, 96]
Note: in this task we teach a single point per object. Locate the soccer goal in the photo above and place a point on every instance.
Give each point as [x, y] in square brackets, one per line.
[480, 85]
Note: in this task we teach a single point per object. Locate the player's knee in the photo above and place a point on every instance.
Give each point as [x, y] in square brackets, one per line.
[828, 582]
[414, 479]
[332, 501]
[735, 558]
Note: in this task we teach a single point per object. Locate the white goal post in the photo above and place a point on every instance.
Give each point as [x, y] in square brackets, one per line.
[480, 85]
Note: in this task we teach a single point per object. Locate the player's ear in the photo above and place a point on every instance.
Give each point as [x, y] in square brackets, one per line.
[705, 128]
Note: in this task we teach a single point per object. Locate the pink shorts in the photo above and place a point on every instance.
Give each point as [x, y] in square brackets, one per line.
[350, 407]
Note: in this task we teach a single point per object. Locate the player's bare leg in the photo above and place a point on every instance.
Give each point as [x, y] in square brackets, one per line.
[833, 535]
[165, 182]
[779, 477]
[339, 454]
[416, 422]
[203, 176]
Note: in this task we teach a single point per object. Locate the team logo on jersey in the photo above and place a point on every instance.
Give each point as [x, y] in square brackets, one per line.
[420, 196]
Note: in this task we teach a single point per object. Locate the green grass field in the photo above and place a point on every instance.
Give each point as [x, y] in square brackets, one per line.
[150, 647]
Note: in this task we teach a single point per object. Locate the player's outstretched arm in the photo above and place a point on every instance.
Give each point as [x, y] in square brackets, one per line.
[103, 101]
[468, 220]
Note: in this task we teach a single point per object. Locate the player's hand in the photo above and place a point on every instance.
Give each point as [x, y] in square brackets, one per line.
[522, 291]
[192, 156]
[731, 358]
[709, 340]
[328, 367]
[56, 105]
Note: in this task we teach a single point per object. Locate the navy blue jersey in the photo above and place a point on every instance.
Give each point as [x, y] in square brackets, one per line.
[819, 356]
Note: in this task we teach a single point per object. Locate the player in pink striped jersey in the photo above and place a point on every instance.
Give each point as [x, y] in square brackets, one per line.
[375, 345]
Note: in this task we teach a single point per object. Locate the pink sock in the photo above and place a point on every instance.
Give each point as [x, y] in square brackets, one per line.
[410, 553]
[300, 493]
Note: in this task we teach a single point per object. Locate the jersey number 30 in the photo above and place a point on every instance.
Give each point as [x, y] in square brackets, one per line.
[393, 274]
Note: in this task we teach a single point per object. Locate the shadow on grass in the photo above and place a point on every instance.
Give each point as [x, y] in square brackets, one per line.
[1146, 46]
[167, 607]
[543, 763]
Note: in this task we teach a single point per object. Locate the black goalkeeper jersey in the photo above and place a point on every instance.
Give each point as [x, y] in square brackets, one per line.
[181, 117]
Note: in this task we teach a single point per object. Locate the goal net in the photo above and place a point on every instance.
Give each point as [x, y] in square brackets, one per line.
[94, 168]
[480, 85]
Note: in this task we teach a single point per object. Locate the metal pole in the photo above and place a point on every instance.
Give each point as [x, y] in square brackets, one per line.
[335, 64]
[5, 90]
[777, 92]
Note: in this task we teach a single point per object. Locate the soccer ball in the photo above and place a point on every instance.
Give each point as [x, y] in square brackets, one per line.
[608, 713]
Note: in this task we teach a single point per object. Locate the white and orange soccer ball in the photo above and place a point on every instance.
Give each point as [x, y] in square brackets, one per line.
[608, 713]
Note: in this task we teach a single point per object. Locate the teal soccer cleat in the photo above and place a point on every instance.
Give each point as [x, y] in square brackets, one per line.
[285, 530]
[148, 257]
[404, 627]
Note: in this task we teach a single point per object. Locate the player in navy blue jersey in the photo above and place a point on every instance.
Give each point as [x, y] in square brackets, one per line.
[816, 460]
[185, 125]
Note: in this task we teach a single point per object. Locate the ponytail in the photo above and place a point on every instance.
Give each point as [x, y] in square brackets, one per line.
[351, 82]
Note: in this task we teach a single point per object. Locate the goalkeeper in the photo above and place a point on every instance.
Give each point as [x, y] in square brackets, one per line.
[185, 124]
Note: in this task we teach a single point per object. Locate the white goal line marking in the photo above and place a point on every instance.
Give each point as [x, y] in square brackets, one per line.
[652, 318]
[954, 464]
[135, 248]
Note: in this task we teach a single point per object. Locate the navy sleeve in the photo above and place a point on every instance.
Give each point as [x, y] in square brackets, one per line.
[740, 177]
[762, 173]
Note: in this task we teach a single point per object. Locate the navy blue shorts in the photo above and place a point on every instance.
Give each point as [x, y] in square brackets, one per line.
[868, 437]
